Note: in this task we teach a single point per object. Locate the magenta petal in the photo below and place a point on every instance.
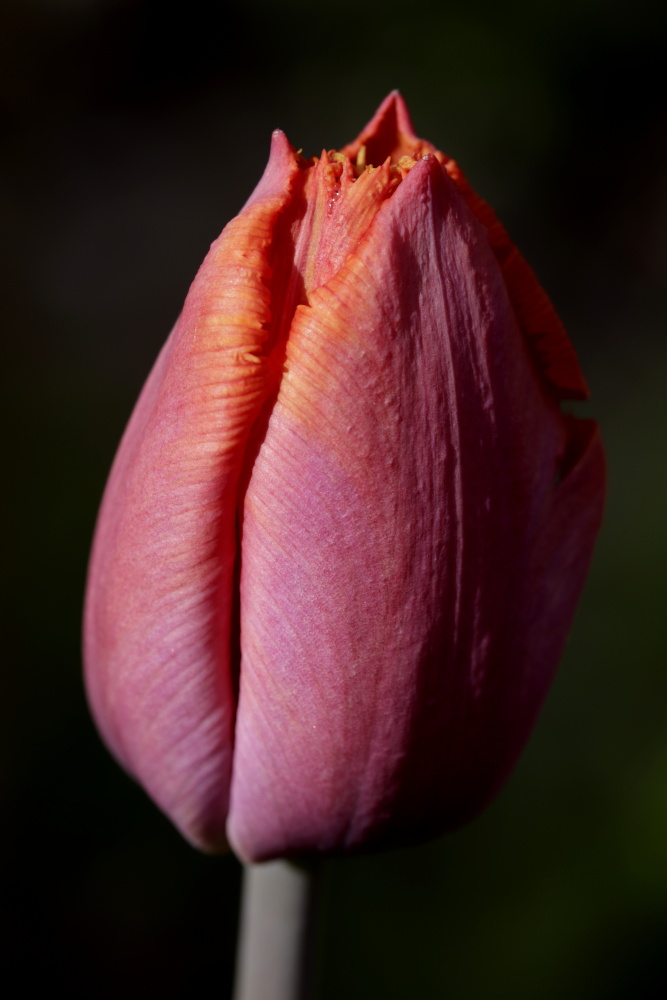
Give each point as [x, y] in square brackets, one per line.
[410, 565]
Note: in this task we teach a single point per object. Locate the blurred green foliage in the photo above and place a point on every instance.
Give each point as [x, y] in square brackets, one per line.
[132, 131]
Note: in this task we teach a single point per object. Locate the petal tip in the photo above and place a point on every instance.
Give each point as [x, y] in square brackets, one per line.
[281, 151]
[390, 131]
[279, 170]
[393, 110]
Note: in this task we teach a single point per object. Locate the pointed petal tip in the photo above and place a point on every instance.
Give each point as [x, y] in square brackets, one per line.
[394, 106]
[427, 173]
[390, 131]
[281, 148]
[279, 171]
[403, 116]
[279, 140]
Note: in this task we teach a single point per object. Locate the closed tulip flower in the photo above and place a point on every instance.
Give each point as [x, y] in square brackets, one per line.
[346, 530]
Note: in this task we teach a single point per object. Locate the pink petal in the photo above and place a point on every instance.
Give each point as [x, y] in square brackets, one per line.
[158, 645]
[409, 565]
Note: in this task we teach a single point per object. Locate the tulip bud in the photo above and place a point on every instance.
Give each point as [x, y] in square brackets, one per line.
[346, 530]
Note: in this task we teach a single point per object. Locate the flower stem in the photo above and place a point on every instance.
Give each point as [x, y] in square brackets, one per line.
[275, 958]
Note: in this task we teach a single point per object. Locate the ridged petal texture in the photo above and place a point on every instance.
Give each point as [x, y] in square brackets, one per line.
[404, 544]
[158, 644]
[348, 525]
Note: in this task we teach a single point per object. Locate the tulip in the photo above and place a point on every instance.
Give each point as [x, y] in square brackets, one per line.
[348, 524]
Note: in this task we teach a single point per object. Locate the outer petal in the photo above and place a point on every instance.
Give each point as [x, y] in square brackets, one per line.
[158, 613]
[409, 565]
[390, 133]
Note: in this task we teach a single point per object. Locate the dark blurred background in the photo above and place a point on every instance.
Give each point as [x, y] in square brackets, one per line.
[131, 131]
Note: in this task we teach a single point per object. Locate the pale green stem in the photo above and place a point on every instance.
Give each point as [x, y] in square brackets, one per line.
[275, 958]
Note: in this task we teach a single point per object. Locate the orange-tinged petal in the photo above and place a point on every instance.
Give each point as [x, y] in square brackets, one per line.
[160, 593]
[390, 133]
[539, 321]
